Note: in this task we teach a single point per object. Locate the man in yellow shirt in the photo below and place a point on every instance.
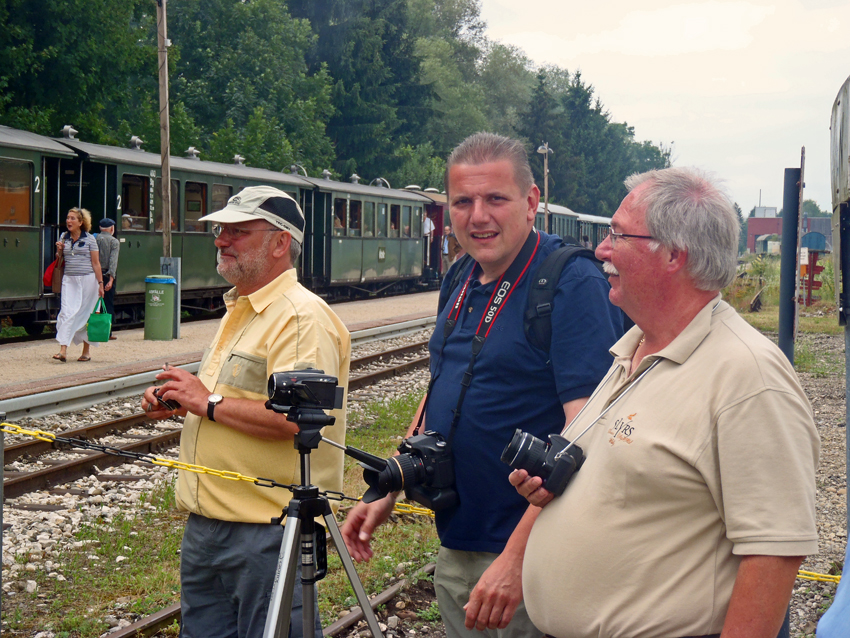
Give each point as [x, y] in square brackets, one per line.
[230, 549]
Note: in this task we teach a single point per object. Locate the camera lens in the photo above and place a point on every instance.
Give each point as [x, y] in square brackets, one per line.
[526, 452]
[402, 470]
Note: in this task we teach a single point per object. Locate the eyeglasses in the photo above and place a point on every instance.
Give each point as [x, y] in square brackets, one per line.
[615, 236]
[235, 233]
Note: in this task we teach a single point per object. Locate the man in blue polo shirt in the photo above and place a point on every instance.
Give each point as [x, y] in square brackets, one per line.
[493, 201]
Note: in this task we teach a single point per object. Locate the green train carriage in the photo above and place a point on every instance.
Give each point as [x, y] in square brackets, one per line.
[380, 246]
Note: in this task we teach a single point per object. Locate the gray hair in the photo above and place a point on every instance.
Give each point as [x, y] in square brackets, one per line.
[294, 252]
[483, 148]
[687, 210]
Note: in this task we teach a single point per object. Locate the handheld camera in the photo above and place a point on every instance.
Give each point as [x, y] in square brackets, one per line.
[554, 462]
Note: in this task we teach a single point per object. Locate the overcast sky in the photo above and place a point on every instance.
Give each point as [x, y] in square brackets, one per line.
[737, 87]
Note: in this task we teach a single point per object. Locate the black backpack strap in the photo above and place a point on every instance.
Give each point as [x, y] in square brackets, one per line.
[456, 272]
[541, 293]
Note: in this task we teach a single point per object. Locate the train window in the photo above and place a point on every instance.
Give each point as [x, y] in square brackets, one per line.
[417, 222]
[382, 221]
[405, 221]
[136, 200]
[368, 219]
[339, 216]
[175, 205]
[196, 207]
[355, 210]
[221, 193]
[395, 218]
[15, 192]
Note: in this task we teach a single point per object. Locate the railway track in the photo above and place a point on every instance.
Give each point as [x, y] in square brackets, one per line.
[17, 483]
[19, 401]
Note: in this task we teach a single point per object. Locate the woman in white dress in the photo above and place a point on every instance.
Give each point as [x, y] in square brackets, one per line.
[82, 283]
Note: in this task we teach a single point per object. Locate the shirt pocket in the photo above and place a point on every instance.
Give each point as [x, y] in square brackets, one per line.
[245, 372]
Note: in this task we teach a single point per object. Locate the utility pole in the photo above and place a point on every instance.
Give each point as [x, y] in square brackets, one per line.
[168, 265]
[545, 151]
[164, 126]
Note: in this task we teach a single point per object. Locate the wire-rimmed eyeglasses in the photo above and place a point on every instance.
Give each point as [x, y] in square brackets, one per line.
[615, 236]
[235, 233]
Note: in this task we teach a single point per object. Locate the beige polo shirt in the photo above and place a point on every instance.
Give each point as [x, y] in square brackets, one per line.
[282, 326]
[712, 455]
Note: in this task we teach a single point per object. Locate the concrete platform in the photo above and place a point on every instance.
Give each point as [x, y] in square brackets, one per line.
[27, 368]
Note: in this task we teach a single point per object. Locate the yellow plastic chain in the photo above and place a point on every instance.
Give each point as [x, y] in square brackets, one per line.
[824, 578]
[9, 428]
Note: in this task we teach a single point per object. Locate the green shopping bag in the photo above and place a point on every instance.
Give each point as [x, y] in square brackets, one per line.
[100, 323]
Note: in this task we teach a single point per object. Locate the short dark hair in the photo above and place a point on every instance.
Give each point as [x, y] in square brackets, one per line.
[483, 148]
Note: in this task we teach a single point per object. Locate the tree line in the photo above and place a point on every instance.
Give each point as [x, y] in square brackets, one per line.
[382, 88]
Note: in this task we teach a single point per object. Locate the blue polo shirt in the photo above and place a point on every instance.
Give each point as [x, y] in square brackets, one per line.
[514, 385]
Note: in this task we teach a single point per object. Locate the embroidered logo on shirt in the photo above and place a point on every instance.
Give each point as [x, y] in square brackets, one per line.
[622, 430]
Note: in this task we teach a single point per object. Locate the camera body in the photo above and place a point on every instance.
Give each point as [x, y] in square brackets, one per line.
[549, 461]
[309, 389]
[424, 469]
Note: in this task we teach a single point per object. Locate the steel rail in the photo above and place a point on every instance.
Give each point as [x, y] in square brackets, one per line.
[20, 484]
[36, 447]
[150, 625]
[80, 397]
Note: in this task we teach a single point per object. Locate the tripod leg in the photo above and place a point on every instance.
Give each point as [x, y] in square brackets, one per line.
[280, 604]
[353, 578]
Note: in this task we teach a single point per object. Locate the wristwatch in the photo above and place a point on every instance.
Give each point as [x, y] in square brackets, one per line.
[212, 401]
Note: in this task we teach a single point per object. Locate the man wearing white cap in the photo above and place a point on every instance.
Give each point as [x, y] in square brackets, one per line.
[230, 549]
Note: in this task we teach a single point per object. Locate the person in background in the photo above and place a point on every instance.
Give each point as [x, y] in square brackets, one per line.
[82, 283]
[444, 249]
[695, 504]
[230, 550]
[108, 247]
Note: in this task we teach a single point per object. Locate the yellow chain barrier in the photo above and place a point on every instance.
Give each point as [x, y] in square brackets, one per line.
[48, 437]
[824, 578]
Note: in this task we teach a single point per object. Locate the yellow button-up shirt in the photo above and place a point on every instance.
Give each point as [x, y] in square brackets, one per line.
[282, 326]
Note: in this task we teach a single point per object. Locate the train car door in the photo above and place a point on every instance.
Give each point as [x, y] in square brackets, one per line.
[20, 189]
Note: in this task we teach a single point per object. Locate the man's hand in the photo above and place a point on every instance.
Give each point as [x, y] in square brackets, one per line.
[497, 594]
[362, 520]
[108, 286]
[154, 410]
[530, 487]
[183, 387]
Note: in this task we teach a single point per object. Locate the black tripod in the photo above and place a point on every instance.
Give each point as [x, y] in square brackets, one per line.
[307, 503]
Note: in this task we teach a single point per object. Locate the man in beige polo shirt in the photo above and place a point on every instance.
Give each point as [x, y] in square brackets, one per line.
[696, 502]
[273, 324]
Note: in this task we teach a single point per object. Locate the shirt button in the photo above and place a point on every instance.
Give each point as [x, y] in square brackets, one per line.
[470, 310]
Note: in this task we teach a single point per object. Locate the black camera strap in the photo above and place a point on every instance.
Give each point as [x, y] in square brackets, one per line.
[501, 293]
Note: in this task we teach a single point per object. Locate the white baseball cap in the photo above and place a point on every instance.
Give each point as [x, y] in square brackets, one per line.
[262, 202]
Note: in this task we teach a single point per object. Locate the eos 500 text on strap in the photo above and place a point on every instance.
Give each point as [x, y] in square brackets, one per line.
[501, 293]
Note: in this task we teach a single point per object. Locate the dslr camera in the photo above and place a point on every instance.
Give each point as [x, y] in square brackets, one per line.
[552, 461]
[424, 469]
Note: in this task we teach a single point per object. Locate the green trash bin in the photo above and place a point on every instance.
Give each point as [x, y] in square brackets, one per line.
[159, 307]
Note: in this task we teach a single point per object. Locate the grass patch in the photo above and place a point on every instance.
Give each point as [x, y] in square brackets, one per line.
[405, 540]
[817, 364]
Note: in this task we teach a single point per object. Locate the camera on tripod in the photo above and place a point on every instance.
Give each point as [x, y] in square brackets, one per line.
[310, 389]
[555, 462]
